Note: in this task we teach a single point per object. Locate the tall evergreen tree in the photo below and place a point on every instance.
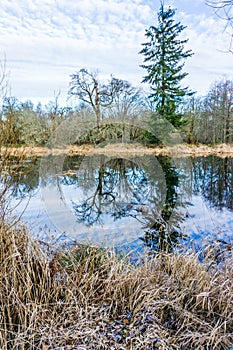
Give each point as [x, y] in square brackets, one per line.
[164, 60]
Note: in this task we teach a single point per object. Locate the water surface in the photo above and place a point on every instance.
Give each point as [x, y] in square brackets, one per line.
[127, 202]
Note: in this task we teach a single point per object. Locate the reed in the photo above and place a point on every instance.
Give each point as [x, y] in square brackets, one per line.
[86, 297]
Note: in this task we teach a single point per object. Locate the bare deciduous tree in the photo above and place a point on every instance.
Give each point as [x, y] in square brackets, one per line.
[4, 79]
[87, 88]
[210, 119]
[127, 100]
[224, 10]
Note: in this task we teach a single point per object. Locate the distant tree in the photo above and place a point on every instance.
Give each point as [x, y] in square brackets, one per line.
[31, 125]
[164, 61]
[193, 114]
[127, 108]
[86, 86]
[10, 116]
[219, 111]
[210, 118]
[55, 114]
[127, 100]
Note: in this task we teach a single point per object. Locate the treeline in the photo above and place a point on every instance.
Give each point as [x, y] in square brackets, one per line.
[24, 124]
[116, 110]
[207, 120]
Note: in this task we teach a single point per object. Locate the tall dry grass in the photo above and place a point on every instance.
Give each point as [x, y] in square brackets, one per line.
[88, 298]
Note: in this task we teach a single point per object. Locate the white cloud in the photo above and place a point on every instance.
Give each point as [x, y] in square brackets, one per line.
[47, 40]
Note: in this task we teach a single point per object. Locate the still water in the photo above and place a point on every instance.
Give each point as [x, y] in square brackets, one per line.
[127, 202]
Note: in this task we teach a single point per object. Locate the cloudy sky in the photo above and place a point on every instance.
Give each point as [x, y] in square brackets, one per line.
[47, 40]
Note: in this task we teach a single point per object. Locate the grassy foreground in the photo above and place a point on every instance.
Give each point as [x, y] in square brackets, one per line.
[88, 298]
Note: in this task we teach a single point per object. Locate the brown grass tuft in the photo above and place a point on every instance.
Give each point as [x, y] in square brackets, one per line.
[88, 298]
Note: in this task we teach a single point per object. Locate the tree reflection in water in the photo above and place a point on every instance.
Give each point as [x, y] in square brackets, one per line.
[123, 188]
[23, 179]
[213, 178]
[163, 233]
[120, 188]
[134, 189]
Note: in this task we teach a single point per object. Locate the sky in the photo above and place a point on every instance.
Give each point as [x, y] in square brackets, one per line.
[45, 41]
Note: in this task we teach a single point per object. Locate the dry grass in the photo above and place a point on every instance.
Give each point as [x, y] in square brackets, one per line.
[222, 150]
[88, 298]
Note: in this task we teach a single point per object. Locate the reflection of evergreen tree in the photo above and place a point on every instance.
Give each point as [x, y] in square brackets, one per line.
[123, 188]
[116, 187]
[163, 230]
[213, 178]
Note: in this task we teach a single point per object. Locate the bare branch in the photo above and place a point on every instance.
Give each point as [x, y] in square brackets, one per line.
[87, 88]
[224, 10]
[4, 79]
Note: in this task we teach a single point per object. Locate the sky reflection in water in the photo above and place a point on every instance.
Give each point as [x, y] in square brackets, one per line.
[132, 202]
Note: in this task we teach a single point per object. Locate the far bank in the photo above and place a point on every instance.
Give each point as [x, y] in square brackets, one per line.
[124, 150]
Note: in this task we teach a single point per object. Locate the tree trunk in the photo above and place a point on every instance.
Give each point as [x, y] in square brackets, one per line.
[97, 105]
[228, 123]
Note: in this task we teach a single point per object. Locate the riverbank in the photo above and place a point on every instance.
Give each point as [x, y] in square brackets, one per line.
[87, 297]
[180, 150]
